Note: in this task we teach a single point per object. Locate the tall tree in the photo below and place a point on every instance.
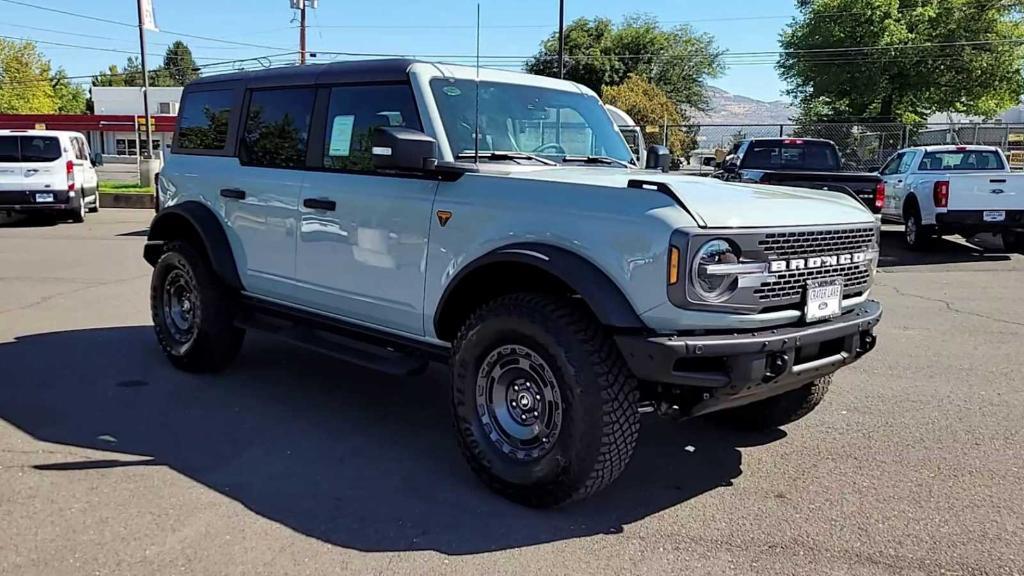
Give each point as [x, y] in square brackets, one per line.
[25, 84]
[111, 77]
[887, 60]
[679, 61]
[179, 64]
[70, 98]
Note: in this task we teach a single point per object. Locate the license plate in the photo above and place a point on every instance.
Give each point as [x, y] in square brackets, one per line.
[44, 197]
[994, 215]
[824, 299]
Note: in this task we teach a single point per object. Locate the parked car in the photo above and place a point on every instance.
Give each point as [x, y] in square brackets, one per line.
[372, 210]
[801, 163]
[936, 190]
[47, 171]
[631, 132]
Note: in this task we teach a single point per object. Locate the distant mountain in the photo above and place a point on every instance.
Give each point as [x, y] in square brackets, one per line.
[729, 108]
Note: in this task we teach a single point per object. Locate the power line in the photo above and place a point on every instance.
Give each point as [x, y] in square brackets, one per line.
[131, 25]
[80, 47]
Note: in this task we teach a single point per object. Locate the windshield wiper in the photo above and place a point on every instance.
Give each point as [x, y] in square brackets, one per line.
[597, 160]
[504, 156]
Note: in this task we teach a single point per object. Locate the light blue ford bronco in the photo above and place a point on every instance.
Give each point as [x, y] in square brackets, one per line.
[395, 213]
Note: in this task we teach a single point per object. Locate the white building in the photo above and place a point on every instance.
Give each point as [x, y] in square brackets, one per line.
[120, 137]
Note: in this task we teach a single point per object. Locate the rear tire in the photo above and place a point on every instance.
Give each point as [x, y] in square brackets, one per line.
[193, 311]
[78, 216]
[1013, 241]
[777, 411]
[917, 235]
[545, 407]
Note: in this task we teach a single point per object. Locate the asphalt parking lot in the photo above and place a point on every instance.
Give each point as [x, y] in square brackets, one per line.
[111, 462]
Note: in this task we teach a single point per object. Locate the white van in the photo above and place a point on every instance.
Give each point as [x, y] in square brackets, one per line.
[48, 171]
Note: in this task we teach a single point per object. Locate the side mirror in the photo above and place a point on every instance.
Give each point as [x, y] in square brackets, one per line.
[658, 158]
[97, 159]
[730, 167]
[403, 149]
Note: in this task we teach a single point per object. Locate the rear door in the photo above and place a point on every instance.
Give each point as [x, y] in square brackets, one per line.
[32, 169]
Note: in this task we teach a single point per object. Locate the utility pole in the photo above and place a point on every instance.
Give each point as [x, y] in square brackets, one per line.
[302, 32]
[145, 19]
[561, 38]
[301, 5]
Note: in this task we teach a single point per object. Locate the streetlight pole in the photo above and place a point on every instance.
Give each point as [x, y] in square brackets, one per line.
[561, 38]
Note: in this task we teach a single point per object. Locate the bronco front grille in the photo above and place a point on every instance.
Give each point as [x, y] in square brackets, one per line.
[816, 242]
[788, 286]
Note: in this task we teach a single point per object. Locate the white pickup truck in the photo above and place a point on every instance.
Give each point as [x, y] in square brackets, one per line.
[936, 190]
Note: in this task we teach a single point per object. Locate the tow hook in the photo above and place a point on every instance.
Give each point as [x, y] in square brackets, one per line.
[777, 365]
[867, 343]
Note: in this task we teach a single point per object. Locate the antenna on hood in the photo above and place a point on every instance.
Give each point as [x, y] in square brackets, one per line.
[476, 128]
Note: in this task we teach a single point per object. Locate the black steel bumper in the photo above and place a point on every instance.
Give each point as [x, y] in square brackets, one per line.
[24, 201]
[743, 367]
[974, 220]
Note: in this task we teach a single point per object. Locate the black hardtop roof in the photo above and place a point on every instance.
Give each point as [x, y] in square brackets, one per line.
[790, 138]
[388, 70]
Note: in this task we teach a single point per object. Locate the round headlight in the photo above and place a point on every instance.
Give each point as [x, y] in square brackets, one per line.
[711, 284]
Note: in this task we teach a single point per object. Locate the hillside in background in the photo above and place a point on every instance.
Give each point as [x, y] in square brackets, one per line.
[727, 108]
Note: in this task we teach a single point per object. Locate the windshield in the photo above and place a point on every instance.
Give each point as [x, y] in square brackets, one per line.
[29, 149]
[961, 160]
[791, 155]
[552, 124]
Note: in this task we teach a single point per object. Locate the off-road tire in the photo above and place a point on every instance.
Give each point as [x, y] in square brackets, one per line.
[217, 340]
[598, 399]
[778, 410]
[1013, 241]
[916, 235]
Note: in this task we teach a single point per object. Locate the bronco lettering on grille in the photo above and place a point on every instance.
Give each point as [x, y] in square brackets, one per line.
[817, 262]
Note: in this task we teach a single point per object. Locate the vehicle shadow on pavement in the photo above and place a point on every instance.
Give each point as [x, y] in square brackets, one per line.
[348, 456]
[28, 221]
[894, 251]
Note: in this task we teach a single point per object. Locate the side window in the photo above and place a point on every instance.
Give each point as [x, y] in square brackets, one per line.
[277, 128]
[906, 162]
[892, 166]
[353, 113]
[204, 120]
[79, 146]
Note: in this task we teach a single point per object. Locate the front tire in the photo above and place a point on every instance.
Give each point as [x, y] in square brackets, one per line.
[193, 311]
[78, 216]
[777, 411]
[545, 407]
[96, 203]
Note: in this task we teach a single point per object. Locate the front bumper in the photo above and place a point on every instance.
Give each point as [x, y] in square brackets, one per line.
[974, 220]
[738, 368]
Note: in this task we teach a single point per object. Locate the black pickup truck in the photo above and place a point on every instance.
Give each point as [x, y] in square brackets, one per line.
[800, 162]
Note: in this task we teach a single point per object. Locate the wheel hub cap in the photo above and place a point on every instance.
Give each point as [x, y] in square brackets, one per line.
[519, 402]
[179, 306]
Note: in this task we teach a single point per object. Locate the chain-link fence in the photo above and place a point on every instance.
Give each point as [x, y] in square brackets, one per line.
[864, 147]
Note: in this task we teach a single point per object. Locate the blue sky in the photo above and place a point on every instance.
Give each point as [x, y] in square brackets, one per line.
[406, 27]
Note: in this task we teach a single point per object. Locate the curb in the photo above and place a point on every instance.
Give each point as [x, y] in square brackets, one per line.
[121, 200]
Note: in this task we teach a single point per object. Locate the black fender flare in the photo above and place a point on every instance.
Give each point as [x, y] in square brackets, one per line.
[601, 294]
[193, 221]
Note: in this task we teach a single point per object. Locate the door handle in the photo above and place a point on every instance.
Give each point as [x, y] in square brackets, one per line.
[318, 204]
[235, 193]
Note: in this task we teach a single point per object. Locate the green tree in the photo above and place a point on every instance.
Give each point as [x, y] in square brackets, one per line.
[25, 84]
[179, 64]
[679, 61]
[651, 108]
[889, 60]
[70, 98]
[111, 77]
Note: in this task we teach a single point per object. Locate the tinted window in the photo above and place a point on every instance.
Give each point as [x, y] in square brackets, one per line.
[277, 127]
[905, 163]
[791, 155]
[354, 112]
[961, 160]
[9, 149]
[204, 119]
[40, 149]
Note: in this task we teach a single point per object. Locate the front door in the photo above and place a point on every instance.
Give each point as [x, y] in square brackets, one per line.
[362, 244]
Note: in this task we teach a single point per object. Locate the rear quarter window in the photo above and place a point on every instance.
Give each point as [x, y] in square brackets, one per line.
[204, 120]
